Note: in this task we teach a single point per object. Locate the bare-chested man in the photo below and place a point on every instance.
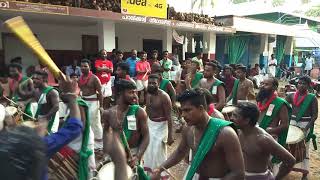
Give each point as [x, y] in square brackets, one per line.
[160, 124]
[242, 88]
[216, 150]
[90, 87]
[212, 111]
[275, 111]
[48, 101]
[129, 120]
[193, 77]
[304, 115]
[21, 90]
[258, 146]
[214, 85]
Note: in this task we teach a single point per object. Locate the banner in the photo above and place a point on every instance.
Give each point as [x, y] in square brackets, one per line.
[152, 8]
[179, 39]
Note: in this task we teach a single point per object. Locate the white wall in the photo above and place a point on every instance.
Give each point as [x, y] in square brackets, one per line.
[130, 36]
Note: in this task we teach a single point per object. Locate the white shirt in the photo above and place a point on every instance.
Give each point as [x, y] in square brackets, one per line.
[309, 63]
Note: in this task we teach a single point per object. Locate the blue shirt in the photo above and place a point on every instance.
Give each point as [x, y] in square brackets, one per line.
[55, 141]
[132, 66]
[70, 70]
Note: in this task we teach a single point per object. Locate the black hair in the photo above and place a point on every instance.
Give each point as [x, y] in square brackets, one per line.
[143, 52]
[165, 52]
[194, 97]
[86, 61]
[249, 110]
[275, 82]
[22, 154]
[119, 52]
[15, 65]
[121, 85]
[196, 62]
[114, 50]
[124, 66]
[16, 60]
[207, 94]
[241, 68]
[227, 67]
[155, 51]
[199, 53]
[213, 65]
[306, 79]
[154, 76]
[42, 73]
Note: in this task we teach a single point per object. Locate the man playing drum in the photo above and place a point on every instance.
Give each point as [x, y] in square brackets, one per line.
[304, 115]
[130, 121]
[91, 92]
[214, 85]
[214, 145]
[242, 88]
[274, 111]
[48, 101]
[258, 146]
[159, 123]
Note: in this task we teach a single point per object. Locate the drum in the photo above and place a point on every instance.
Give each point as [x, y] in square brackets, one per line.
[15, 114]
[296, 143]
[30, 124]
[106, 171]
[227, 112]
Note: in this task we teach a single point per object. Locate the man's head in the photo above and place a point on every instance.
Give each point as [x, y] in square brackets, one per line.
[241, 71]
[187, 63]
[85, 66]
[74, 77]
[22, 154]
[194, 66]
[126, 91]
[272, 56]
[227, 71]
[134, 53]
[39, 78]
[144, 56]
[156, 69]
[193, 106]
[104, 54]
[119, 55]
[153, 83]
[304, 84]
[209, 70]
[4, 76]
[122, 70]
[155, 54]
[165, 54]
[15, 70]
[245, 115]
[114, 51]
[17, 60]
[74, 63]
[199, 55]
[267, 87]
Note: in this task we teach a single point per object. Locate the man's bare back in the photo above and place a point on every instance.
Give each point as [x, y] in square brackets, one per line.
[91, 87]
[245, 90]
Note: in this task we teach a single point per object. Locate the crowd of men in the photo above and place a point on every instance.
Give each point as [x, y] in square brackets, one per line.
[124, 109]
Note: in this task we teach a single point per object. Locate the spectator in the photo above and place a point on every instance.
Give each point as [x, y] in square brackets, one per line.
[199, 59]
[74, 68]
[132, 61]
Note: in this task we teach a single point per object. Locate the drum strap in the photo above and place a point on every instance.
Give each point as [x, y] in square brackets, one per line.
[303, 107]
[197, 77]
[208, 139]
[234, 92]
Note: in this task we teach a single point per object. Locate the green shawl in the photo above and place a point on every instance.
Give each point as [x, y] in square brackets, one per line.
[217, 83]
[234, 92]
[197, 77]
[208, 139]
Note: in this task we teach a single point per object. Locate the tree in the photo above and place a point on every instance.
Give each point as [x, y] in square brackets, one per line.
[305, 1]
[276, 3]
[239, 1]
[314, 11]
[201, 3]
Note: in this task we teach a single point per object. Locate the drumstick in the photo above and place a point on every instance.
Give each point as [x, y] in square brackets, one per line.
[168, 172]
[14, 103]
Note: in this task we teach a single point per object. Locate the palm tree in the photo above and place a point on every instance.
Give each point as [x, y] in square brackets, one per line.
[200, 4]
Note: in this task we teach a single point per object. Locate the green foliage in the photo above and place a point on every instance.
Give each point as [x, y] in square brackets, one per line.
[305, 1]
[276, 3]
[314, 11]
[239, 1]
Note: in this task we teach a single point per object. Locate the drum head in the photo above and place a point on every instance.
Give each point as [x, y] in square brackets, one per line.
[228, 109]
[107, 171]
[11, 110]
[295, 135]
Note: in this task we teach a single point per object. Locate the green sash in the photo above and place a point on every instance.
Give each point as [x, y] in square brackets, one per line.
[234, 92]
[208, 139]
[197, 77]
[84, 152]
[15, 98]
[51, 121]
[163, 85]
[217, 83]
[133, 109]
[266, 121]
[304, 106]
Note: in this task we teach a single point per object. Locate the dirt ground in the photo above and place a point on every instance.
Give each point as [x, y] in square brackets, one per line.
[314, 174]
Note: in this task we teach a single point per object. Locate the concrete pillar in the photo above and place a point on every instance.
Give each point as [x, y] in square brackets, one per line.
[288, 50]
[209, 38]
[167, 40]
[107, 35]
[264, 47]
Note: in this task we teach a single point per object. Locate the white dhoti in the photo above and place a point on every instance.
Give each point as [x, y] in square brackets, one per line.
[106, 89]
[141, 84]
[95, 117]
[156, 152]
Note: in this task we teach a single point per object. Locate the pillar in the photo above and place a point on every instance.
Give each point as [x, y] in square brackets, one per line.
[288, 51]
[107, 35]
[167, 40]
[209, 38]
[264, 46]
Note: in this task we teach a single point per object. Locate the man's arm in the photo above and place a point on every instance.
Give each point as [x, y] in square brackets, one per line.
[222, 98]
[314, 113]
[251, 95]
[270, 145]
[233, 153]
[98, 87]
[53, 97]
[172, 92]
[139, 70]
[167, 106]
[284, 122]
[104, 69]
[142, 119]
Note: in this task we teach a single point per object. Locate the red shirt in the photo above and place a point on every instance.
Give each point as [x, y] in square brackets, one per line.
[103, 76]
[142, 66]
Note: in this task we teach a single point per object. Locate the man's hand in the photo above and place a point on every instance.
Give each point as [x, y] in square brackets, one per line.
[156, 174]
[170, 140]
[66, 85]
[134, 161]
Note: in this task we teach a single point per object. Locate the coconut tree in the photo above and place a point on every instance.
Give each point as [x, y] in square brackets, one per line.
[200, 4]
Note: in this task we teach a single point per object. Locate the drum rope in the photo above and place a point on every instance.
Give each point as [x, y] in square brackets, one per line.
[18, 108]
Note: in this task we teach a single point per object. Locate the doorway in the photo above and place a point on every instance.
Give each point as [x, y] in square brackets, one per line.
[150, 44]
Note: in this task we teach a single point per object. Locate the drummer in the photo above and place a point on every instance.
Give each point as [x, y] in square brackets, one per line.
[242, 88]
[258, 146]
[214, 85]
[304, 115]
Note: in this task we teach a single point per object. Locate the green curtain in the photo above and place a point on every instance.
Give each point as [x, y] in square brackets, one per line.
[236, 47]
[280, 45]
